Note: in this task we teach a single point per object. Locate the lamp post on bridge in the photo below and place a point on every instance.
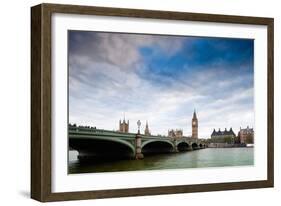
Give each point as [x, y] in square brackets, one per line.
[139, 154]
[139, 124]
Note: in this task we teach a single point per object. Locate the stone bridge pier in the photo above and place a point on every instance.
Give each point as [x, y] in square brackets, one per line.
[138, 149]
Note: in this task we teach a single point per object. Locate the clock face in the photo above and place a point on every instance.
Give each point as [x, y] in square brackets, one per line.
[193, 123]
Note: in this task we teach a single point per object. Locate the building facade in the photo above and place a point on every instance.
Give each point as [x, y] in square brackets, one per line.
[194, 123]
[223, 136]
[246, 136]
[123, 126]
[175, 134]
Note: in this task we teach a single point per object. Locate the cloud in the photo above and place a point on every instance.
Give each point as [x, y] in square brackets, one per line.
[119, 49]
[114, 73]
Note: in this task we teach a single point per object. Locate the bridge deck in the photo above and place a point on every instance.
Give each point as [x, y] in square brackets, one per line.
[74, 131]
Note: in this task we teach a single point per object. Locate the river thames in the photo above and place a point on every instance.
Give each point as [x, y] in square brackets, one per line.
[209, 157]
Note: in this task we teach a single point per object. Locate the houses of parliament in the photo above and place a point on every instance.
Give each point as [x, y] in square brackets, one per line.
[173, 133]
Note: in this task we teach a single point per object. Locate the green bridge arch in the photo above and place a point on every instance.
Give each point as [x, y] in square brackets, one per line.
[156, 140]
[102, 138]
[183, 141]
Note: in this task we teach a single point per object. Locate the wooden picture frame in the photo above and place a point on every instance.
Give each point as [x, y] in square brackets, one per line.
[41, 173]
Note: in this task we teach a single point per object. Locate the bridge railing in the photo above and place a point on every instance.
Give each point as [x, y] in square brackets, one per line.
[92, 129]
[100, 131]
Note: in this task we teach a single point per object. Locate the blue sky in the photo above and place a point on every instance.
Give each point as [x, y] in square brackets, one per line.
[160, 79]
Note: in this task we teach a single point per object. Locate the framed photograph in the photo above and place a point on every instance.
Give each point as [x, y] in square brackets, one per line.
[128, 102]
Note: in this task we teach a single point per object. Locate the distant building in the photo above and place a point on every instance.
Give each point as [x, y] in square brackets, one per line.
[194, 124]
[223, 136]
[123, 126]
[146, 130]
[176, 134]
[246, 136]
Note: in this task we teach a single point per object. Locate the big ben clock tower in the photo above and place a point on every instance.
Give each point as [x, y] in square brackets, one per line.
[194, 123]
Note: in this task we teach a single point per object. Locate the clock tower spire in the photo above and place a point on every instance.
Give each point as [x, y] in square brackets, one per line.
[194, 124]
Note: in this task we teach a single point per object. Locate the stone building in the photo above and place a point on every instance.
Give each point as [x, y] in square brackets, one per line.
[176, 134]
[223, 136]
[194, 124]
[146, 130]
[123, 126]
[246, 136]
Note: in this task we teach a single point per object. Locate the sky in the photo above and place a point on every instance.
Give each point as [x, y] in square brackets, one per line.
[160, 79]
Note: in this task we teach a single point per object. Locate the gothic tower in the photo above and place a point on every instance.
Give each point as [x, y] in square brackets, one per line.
[194, 123]
[146, 131]
[123, 126]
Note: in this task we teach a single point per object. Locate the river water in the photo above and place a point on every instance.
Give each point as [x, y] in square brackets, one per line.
[209, 157]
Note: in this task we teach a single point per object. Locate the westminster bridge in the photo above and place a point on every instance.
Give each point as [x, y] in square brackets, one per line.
[92, 143]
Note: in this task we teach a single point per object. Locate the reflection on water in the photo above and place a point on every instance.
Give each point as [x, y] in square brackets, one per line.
[210, 157]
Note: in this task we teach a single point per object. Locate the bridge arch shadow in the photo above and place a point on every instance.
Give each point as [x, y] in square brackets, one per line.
[157, 147]
[183, 146]
[91, 149]
[194, 146]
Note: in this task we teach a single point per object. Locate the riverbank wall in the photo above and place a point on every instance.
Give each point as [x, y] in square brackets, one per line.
[225, 145]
